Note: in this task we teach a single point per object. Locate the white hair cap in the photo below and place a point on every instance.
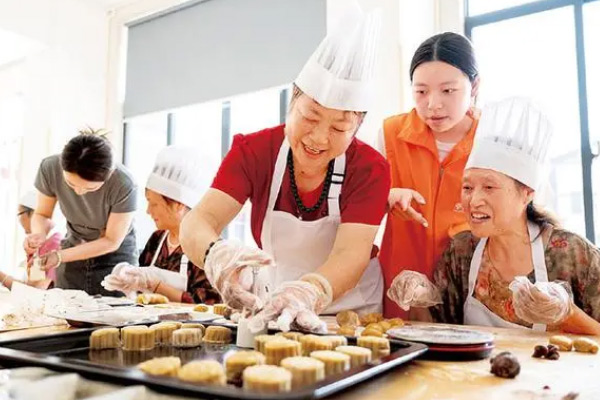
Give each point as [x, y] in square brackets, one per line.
[513, 138]
[178, 175]
[339, 74]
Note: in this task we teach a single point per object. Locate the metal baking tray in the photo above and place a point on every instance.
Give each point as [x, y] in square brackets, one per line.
[69, 351]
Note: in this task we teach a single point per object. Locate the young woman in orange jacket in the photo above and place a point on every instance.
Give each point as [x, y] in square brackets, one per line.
[427, 149]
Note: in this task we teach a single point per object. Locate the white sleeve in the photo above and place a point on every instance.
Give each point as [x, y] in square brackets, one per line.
[380, 143]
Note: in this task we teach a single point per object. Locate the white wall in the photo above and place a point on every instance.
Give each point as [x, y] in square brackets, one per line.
[63, 84]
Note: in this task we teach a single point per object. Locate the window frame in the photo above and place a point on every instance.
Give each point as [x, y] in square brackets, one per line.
[587, 153]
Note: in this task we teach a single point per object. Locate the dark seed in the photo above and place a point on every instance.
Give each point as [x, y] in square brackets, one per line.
[539, 351]
[505, 365]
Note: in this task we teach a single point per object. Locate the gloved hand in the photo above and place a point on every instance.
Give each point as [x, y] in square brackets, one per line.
[540, 303]
[296, 302]
[229, 269]
[128, 278]
[413, 289]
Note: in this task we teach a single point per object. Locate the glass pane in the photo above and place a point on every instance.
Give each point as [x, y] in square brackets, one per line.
[477, 7]
[591, 16]
[543, 67]
[251, 113]
[146, 136]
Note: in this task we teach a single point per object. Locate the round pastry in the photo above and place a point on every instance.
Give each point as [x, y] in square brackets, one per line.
[220, 309]
[370, 318]
[163, 366]
[312, 343]
[291, 335]
[336, 340]
[217, 335]
[348, 317]
[267, 378]
[209, 372]
[151, 298]
[305, 370]
[396, 322]
[239, 361]
[385, 325]
[358, 355]
[105, 338]
[277, 350]
[261, 340]
[163, 331]
[346, 330]
[375, 326]
[187, 337]
[201, 308]
[334, 362]
[137, 337]
[193, 325]
[371, 332]
[380, 347]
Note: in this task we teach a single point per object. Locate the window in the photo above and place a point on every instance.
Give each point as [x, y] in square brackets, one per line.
[544, 64]
[12, 117]
[210, 128]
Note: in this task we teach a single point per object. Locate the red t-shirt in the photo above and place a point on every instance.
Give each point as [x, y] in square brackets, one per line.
[247, 172]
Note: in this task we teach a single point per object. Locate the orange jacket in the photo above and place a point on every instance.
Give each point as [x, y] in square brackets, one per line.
[413, 156]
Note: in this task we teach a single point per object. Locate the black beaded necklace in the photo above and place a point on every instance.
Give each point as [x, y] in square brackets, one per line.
[301, 207]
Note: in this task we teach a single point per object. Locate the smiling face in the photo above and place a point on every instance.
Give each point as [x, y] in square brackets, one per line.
[80, 185]
[493, 202]
[442, 95]
[318, 134]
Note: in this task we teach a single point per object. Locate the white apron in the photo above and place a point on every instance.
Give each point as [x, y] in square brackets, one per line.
[475, 312]
[300, 247]
[177, 280]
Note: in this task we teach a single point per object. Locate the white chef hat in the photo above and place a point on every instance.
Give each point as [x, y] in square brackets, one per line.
[513, 138]
[178, 175]
[29, 199]
[339, 74]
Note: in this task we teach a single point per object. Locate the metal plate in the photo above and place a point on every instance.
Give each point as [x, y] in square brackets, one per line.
[69, 351]
[440, 335]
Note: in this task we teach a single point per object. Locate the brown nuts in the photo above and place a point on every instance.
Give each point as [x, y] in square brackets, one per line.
[549, 352]
[539, 351]
[505, 365]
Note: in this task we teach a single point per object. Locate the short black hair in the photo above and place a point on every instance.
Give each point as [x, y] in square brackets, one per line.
[448, 47]
[88, 155]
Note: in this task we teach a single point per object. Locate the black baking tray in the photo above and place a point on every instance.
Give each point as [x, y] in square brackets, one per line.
[69, 351]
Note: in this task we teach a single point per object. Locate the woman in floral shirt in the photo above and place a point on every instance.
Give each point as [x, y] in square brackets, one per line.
[515, 268]
[174, 186]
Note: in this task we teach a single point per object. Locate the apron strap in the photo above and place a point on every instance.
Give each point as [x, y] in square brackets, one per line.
[337, 180]
[183, 265]
[157, 251]
[539, 261]
[475, 265]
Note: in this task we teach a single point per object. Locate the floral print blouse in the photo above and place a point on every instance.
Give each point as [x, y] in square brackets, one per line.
[199, 289]
[569, 258]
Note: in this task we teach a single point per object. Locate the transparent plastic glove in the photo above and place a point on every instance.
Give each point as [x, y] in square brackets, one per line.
[294, 302]
[540, 303]
[127, 278]
[228, 268]
[413, 289]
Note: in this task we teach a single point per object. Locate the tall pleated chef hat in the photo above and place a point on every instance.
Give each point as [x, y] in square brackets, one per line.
[177, 174]
[339, 74]
[513, 137]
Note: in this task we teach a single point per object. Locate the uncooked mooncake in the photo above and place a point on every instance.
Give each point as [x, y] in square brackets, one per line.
[201, 308]
[221, 309]
[312, 343]
[358, 355]
[236, 363]
[336, 340]
[151, 298]
[163, 331]
[277, 350]
[217, 335]
[187, 337]
[380, 347]
[193, 325]
[349, 318]
[163, 366]
[305, 370]
[137, 337]
[105, 338]
[261, 340]
[334, 362]
[208, 372]
[291, 335]
[267, 378]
